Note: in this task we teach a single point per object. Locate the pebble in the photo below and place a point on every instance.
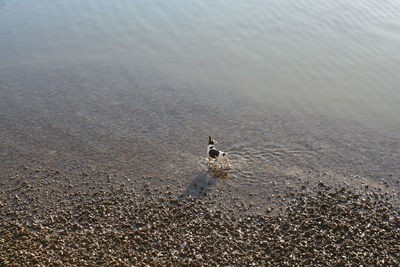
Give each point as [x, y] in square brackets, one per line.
[324, 226]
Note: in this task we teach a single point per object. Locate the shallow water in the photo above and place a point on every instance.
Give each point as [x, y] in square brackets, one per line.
[101, 118]
[290, 89]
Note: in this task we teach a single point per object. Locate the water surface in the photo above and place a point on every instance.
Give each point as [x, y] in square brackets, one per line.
[288, 87]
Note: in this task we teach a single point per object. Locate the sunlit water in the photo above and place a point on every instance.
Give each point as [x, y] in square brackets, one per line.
[287, 87]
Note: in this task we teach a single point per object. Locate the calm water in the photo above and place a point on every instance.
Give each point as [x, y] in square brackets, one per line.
[287, 86]
[332, 57]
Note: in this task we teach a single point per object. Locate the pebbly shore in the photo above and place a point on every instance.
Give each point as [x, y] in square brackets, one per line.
[119, 226]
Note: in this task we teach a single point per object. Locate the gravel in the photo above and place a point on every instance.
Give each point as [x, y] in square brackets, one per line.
[325, 226]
